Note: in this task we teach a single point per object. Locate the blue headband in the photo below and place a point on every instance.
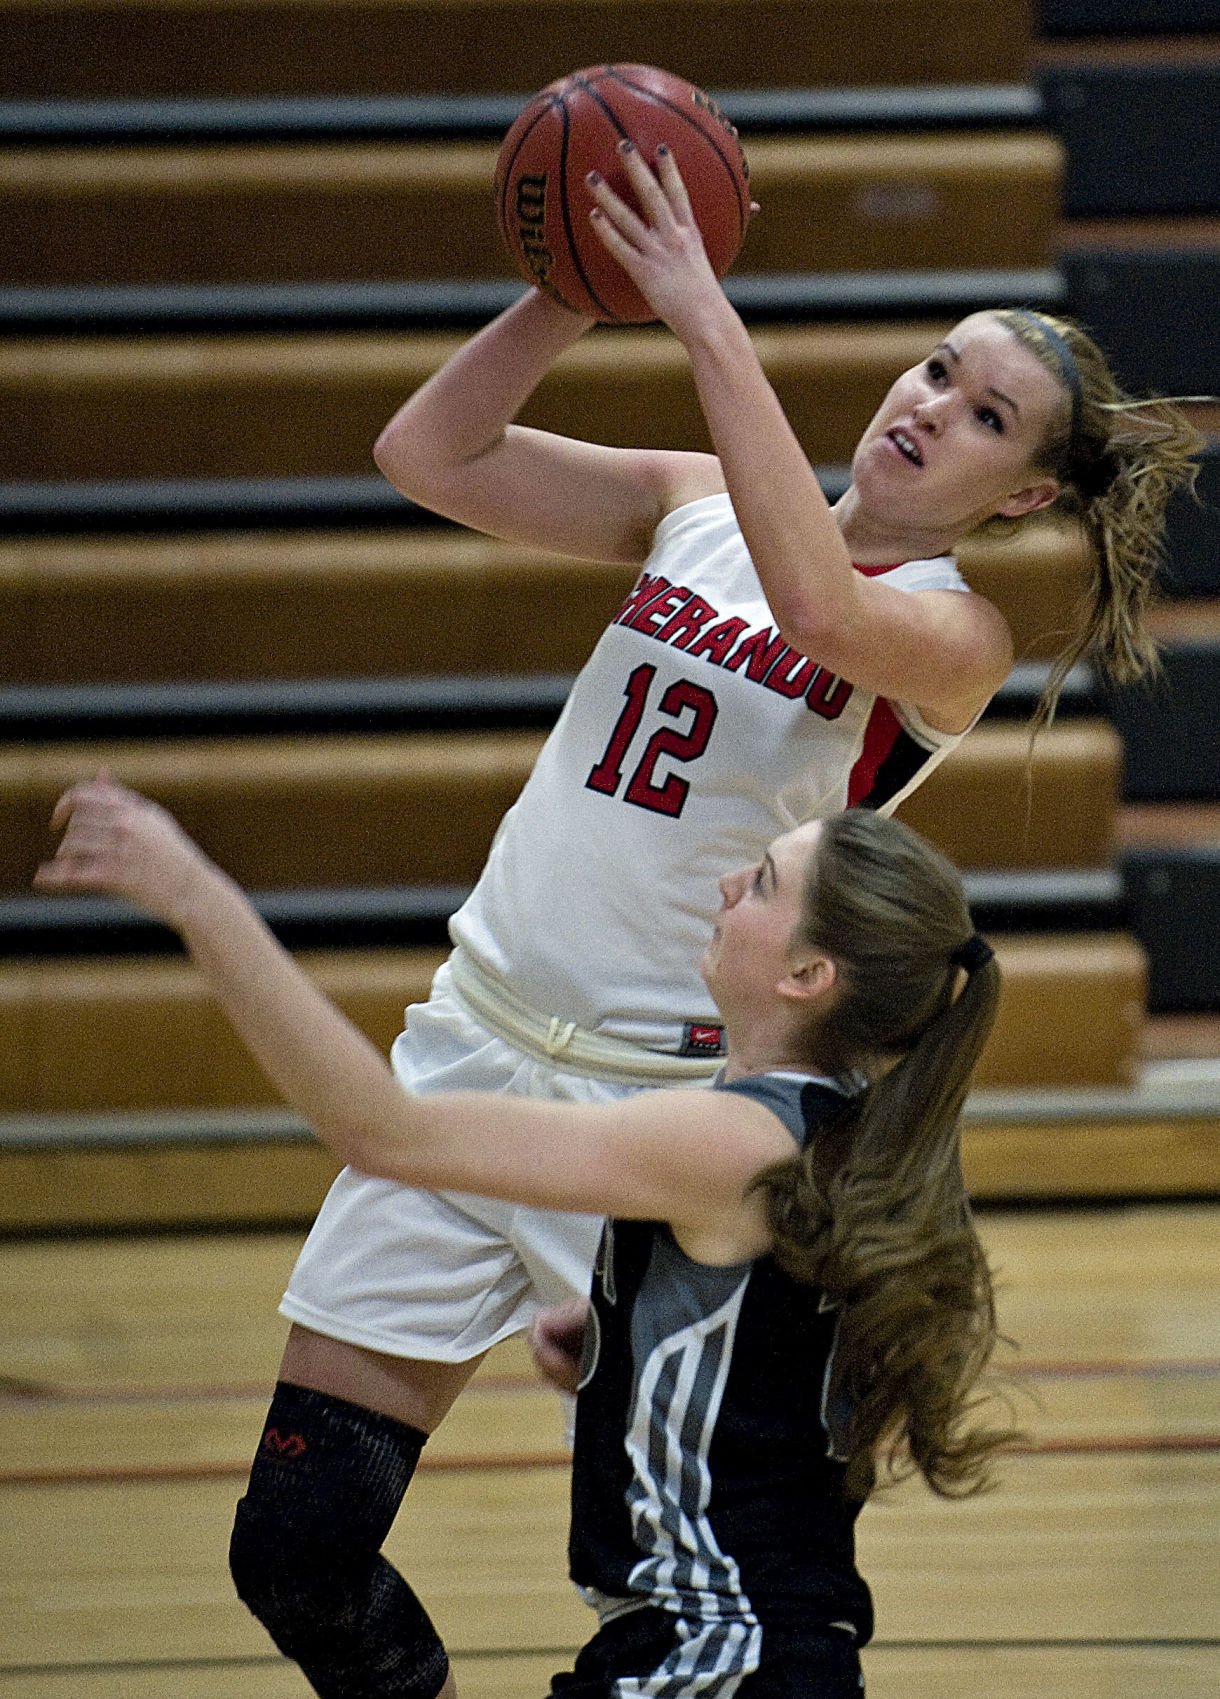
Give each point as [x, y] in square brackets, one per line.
[1069, 371]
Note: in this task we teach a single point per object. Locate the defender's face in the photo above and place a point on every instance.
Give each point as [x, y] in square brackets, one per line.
[760, 907]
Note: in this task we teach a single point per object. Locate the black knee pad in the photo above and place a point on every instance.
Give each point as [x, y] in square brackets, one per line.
[306, 1549]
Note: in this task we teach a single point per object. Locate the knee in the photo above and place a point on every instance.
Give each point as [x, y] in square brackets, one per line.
[283, 1576]
[337, 1608]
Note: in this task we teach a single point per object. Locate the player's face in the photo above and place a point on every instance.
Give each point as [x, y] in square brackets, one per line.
[958, 438]
[760, 906]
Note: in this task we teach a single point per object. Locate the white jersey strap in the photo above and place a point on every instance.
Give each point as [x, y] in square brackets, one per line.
[563, 1043]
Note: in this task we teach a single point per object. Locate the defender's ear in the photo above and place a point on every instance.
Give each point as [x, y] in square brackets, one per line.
[809, 980]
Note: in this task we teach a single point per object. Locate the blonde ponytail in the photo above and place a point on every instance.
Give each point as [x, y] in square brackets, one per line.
[1119, 459]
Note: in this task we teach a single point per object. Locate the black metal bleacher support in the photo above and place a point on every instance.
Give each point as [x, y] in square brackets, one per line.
[1140, 139]
[342, 917]
[139, 505]
[1127, 17]
[1154, 312]
[1170, 727]
[1193, 556]
[226, 309]
[1173, 897]
[305, 707]
[278, 707]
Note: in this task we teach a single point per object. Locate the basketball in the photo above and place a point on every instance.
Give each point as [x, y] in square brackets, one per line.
[574, 126]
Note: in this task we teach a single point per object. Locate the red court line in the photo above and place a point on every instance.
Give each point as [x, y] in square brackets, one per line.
[84, 1475]
[29, 1395]
[98, 1475]
[1119, 1443]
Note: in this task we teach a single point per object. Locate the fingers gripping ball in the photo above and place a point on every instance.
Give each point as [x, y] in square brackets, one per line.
[574, 126]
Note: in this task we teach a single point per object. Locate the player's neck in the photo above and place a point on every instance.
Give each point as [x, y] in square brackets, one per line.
[872, 542]
[768, 1049]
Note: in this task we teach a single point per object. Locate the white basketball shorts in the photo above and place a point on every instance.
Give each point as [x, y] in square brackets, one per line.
[439, 1275]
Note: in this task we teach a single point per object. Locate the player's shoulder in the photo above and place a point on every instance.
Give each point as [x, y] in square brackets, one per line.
[691, 477]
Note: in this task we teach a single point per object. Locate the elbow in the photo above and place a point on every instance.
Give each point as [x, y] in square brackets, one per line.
[383, 449]
[430, 469]
[398, 456]
[827, 626]
[807, 630]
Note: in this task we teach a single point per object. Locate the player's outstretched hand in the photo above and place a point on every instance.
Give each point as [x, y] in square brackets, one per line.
[557, 1339]
[117, 842]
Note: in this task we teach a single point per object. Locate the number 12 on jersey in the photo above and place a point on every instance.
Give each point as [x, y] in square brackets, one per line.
[665, 795]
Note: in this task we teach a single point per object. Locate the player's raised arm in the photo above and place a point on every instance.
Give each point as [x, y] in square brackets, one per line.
[453, 447]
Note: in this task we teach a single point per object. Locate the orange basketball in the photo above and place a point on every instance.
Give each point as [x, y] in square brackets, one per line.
[574, 126]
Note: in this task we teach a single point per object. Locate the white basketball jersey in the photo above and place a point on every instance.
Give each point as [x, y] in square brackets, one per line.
[692, 737]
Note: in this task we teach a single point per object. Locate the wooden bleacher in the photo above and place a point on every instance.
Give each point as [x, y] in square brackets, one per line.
[270, 212]
[301, 403]
[381, 809]
[345, 603]
[112, 407]
[175, 47]
[1139, 239]
[307, 402]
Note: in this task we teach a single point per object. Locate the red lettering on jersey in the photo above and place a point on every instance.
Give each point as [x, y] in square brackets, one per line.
[791, 674]
[687, 622]
[716, 643]
[674, 614]
[646, 588]
[828, 694]
[657, 609]
[759, 651]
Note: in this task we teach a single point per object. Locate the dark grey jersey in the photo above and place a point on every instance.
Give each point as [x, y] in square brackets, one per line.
[705, 1479]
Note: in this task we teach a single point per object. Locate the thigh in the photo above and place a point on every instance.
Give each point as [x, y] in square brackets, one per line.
[411, 1390]
[429, 1275]
[442, 1277]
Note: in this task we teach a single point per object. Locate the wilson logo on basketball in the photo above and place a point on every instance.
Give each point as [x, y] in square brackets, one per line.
[531, 228]
[283, 1446]
[574, 127]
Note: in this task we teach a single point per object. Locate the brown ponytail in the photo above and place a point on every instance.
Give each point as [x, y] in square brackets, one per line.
[875, 1211]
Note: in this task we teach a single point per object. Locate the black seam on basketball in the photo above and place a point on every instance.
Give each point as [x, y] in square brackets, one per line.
[663, 100]
[566, 214]
[609, 111]
[587, 88]
[506, 179]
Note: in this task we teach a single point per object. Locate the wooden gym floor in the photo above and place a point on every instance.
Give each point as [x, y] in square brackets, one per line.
[136, 1369]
